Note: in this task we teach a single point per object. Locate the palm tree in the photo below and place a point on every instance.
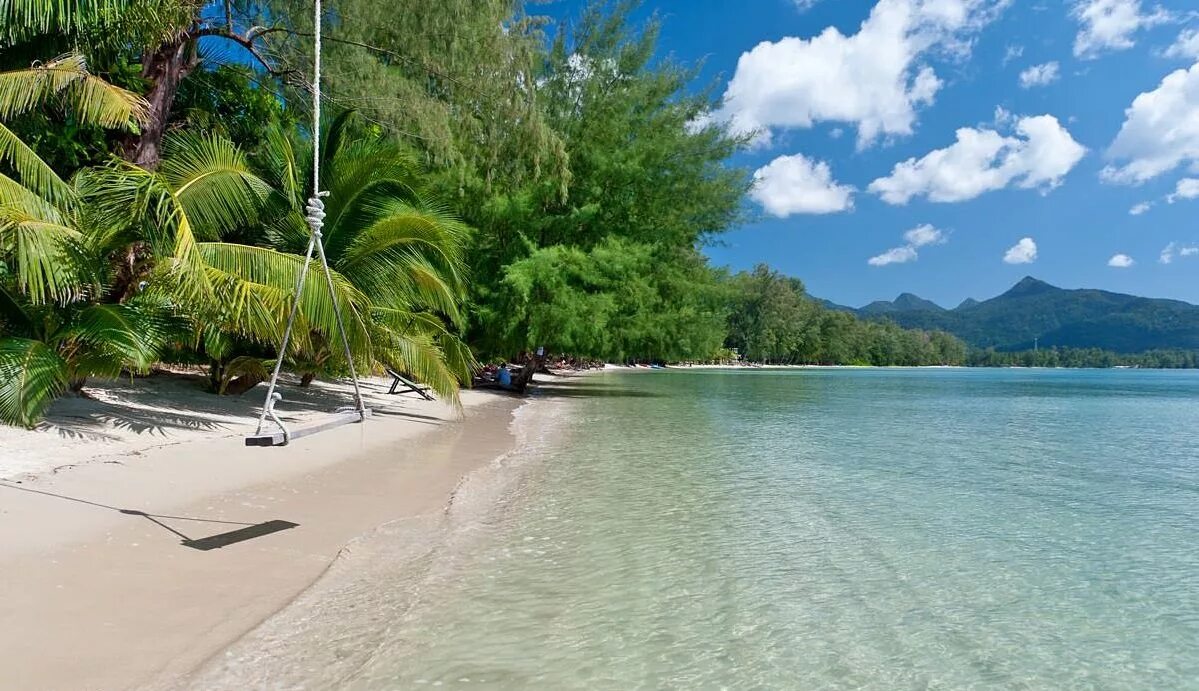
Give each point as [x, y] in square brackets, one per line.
[175, 217]
[402, 249]
[50, 332]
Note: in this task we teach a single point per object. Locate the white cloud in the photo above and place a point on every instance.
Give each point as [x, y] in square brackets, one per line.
[1167, 254]
[924, 235]
[1186, 47]
[1012, 53]
[1187, 188]
[982, 160]
[920, 236]
[895, 255]
[799, 185]
[804, 5]
[1120, 261]
[1160, 131]
[875, 79]
[1188, 251]
[1023, 252]
[1141, 208]
[1107, 25]
[1040, 75]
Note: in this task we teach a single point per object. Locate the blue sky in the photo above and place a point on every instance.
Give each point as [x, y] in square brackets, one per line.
[843, 91]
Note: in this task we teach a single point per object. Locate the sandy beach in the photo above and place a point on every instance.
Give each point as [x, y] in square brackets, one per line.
[137, 540]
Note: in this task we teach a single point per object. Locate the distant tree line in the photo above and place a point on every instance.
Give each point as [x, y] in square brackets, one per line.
[1084, 357]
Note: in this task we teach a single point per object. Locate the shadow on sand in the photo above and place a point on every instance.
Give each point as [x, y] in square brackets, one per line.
[139, 409]
[247, 531]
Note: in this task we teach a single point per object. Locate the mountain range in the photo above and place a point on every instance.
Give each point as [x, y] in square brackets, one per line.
[1034, 312]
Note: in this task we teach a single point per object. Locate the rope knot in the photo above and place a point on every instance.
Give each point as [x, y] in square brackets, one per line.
[315, 211]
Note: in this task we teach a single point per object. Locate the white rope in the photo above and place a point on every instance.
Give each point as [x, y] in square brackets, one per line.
[315, 217]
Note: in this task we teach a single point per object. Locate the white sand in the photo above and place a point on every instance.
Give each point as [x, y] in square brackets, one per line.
[123, 417]
[93, 597]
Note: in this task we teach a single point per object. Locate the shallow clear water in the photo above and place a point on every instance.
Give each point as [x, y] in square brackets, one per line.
[884, 529]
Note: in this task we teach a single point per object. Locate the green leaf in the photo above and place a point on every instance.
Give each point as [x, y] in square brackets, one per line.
[31, 376]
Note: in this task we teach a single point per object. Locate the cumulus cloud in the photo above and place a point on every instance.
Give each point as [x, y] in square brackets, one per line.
[924, 235]
[799, 185]
[1174, 249]
[920, 236]
[1120, 261]
[1107, 25]
[804, 5]
[1040, 75]
[1160, 130]
[1023, 252]
[1012, 53]
[1038, 156]
[1186, 47]
[895, 255]
[1187, 188]
[875, 79]
[1141, 208]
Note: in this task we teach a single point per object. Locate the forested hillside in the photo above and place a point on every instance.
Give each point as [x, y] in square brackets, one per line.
[1035, 313]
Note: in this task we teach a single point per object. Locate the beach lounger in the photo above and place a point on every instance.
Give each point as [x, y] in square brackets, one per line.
[401, 384]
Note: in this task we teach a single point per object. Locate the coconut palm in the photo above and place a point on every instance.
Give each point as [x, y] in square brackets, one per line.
[176, 215]
[400, 248]
[50, 332]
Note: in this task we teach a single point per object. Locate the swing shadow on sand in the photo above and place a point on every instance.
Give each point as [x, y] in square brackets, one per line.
[246, 531]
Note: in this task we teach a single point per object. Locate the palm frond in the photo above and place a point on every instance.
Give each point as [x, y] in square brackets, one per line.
[23, 19]
[418, 354]
[41, 253]
[110, 339]
[31, 376]
[128, 196]
[35, 173]
[92, 100]
[212, 182]
[258, 285]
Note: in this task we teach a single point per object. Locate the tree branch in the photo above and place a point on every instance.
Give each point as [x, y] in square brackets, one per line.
[247, 43]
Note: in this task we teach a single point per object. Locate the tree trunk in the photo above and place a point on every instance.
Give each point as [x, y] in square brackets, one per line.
[164, 68]
[216, 374]
[75, 387]
[306, 379]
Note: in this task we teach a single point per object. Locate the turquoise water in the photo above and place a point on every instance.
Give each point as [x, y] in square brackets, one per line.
[881, 529]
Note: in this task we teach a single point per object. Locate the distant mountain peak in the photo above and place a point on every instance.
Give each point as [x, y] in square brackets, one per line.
[1029, 286]
[967, 303]
[908, 302]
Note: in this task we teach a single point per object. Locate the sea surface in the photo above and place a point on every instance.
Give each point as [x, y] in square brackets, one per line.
[798, 529]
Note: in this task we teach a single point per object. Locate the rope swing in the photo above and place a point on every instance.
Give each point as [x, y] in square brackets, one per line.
[315, 217]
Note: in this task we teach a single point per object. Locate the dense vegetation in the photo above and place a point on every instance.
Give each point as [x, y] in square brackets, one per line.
[494, 189]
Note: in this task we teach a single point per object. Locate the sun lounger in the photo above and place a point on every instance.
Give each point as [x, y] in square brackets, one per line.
[401, 384]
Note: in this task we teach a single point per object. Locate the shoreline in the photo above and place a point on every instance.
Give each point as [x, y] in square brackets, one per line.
[125, 578]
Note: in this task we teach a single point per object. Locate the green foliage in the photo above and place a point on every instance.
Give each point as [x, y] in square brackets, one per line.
[233, 102]
[31, 375]
[1085, 357]
[774, 321]
[619, 301]
[389, 239]
[604, 263]
[455, 79]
